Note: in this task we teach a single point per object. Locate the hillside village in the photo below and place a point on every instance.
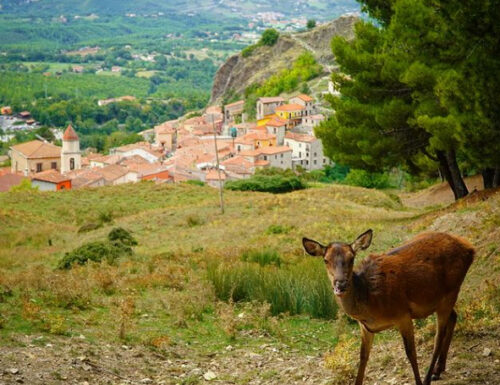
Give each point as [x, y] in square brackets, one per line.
[180, 150]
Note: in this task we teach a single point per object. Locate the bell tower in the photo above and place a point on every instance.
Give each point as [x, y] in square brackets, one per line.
[71, 158]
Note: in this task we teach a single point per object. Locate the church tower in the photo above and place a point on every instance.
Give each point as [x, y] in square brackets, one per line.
[71, 158]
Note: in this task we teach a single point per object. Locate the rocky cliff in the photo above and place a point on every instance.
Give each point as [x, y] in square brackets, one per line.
[239, 72]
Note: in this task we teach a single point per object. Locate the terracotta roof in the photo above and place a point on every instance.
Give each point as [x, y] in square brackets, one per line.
[107, 159]
[112, 172]
[260, 135]
[213, 110]
[300, 137]
[305, 98]
[276, 122]
[165, 128]
[290, 107]
[213, 174]
[83, 177]
[235, 104]
[243, 140]
[51, 176]
[37, 149]
[276, 99]
[9, 180]
[318, 116]
[274, 150]
[252, 153]
[262, 163]
[70, 134]
[237, 161]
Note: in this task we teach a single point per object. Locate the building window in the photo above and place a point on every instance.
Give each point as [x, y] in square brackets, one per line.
[275, 156]
[38, 167]
[265, 157]
[324, 160]
[315, 161]
[53, 165]
[300, 154]
[282, 155]
[315, 154]
[239, 148]
[72, 163]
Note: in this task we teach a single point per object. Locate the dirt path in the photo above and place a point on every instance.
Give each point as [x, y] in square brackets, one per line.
[474, 360]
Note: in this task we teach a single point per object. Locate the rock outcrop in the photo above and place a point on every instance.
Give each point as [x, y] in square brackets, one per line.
[238, 72]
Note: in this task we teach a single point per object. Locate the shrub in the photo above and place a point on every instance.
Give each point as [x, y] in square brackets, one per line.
[366, 179]
[119, 243]
[269, 37]
[298, 289]
[96, 252]
[248, 51]
[262, 257]
[120, 235]
[267, 183]
[311, 24]
[195, 182]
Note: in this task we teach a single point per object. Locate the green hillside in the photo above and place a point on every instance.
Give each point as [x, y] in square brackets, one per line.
[164, 314]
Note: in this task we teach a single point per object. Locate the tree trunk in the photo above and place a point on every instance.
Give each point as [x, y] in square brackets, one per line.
[448, 166]
[496, 177]
[488, 176]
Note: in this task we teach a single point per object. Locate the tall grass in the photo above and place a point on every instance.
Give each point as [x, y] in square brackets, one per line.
[295, 289]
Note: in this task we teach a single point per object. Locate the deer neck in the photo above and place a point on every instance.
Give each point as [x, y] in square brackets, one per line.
[354, 300]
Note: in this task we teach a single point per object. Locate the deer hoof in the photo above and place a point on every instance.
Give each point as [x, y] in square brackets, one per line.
[435, 377]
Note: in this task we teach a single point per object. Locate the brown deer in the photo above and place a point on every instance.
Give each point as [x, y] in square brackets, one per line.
[413, 281]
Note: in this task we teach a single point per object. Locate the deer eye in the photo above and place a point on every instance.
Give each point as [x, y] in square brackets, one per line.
[326, 261]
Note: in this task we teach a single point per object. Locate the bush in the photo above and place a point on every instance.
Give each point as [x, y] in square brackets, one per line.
[195, 182]
[269, 37]
[262, 257]
[120, 235]
[275, 184]
[119, 243]
[311, 24]
[299, 289]
[96, 252]
[248, 51]
[366, 179]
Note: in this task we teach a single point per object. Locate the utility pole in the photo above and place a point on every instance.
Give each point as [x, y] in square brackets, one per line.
[221, 192]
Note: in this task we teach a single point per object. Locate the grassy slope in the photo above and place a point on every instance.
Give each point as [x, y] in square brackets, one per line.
[161, 303]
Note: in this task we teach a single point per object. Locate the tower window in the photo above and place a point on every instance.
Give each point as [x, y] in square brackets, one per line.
[72, 163]
[53, 165]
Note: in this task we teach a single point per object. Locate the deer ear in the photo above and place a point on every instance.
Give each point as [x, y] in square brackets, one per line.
[313, 248]
[363, 241]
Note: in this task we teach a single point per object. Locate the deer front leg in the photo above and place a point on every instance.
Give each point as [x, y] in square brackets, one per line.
[406, 330]
[366, 346]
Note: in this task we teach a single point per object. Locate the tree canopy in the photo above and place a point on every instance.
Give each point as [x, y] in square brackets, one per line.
[418, 90]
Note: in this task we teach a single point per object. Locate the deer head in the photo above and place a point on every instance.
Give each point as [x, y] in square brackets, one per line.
[339, 259]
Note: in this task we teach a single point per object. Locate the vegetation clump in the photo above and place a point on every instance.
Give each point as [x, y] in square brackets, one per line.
[118, 244]
[295, 289]
[262, 257]
[269, 38]
[275, 184]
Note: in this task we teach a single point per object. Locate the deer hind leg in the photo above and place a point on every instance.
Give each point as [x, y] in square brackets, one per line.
[406, 330]
[443, 355]
[366, 346]
[442, 321]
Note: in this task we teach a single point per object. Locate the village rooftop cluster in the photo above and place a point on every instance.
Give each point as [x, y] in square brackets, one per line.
[180, 150]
